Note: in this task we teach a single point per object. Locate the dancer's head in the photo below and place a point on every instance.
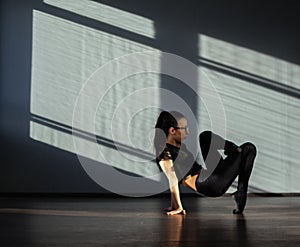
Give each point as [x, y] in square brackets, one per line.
[170, 127]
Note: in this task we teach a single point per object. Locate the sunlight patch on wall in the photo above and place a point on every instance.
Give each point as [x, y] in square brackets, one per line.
[249, 61]
[268, 117]
[64, 55]
[107, 14]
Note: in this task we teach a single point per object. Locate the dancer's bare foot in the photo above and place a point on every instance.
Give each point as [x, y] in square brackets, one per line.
[190, 182]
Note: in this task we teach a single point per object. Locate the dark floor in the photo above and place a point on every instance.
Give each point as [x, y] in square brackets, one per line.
[82, 221]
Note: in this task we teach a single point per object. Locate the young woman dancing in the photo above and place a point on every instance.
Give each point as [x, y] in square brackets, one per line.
[180, 166]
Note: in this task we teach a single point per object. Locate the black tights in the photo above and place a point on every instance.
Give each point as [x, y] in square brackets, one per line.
[239, 162]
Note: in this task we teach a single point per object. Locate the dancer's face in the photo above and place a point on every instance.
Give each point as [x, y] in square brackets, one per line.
[181, 131]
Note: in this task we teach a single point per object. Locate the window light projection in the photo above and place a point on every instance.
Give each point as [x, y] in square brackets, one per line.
[267, 115]
[268, 69]
[107, 14]
[64, 55]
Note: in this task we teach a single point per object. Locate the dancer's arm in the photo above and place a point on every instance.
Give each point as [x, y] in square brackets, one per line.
[176, 205]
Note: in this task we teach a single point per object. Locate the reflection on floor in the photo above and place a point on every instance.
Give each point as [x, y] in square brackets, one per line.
[114, 221]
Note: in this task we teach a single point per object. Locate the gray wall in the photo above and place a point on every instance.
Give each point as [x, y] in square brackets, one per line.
[28, 165]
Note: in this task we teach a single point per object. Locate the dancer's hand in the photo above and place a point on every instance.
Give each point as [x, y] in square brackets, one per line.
[177, 211]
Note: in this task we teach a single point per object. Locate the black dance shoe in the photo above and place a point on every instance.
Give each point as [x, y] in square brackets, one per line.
[240, 200]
